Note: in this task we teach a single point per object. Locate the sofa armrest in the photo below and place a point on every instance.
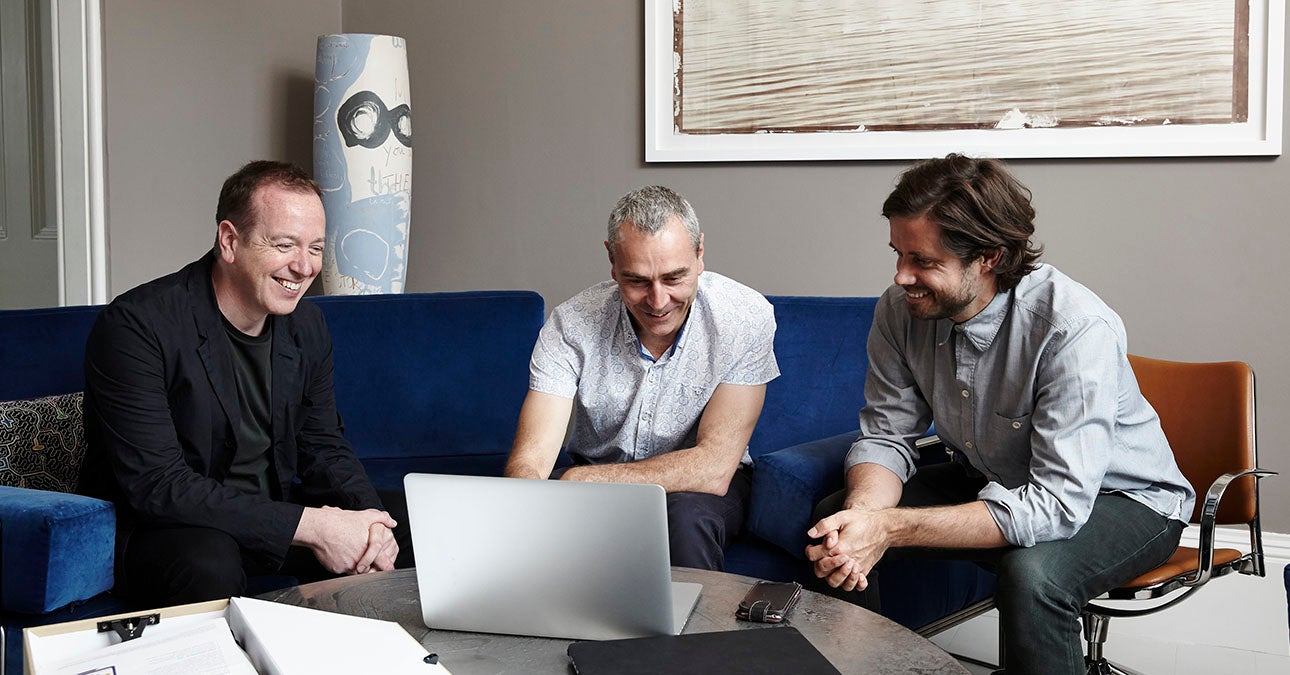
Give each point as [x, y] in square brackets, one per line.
[55, 549]
[788, 483]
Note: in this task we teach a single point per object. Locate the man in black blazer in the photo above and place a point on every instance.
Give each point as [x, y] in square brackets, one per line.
[210, 414]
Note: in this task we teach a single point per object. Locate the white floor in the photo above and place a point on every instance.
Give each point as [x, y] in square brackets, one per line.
[978, 639]
[1235, 624]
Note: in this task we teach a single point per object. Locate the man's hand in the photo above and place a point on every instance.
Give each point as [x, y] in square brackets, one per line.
[345, 541]
[382, 550]
[852, 542]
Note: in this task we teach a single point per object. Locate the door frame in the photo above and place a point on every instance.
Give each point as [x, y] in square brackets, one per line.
[79, 176]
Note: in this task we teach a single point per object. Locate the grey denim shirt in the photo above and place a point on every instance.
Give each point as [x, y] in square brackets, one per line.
[1035, 393]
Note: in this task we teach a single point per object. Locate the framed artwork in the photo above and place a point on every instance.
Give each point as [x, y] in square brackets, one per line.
[759, 80]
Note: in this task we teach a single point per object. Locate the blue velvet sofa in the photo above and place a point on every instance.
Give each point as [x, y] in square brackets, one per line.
[433, 382]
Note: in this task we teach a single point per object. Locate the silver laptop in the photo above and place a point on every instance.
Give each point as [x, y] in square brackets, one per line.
[549, 558]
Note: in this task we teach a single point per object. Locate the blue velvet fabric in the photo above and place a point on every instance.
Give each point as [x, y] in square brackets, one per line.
[789, 483]
[820, 347]
[42, 351]
[431, 381]
[58, 549]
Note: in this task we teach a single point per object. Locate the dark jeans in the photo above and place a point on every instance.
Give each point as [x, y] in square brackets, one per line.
[171, 565]
[1041, 589]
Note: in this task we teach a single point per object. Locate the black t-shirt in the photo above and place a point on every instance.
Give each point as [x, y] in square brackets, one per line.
[253, 370]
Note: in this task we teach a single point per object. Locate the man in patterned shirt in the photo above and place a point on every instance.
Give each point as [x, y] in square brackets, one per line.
[663, 371]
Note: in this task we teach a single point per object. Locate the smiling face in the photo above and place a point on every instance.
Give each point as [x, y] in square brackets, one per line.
[937, 284]
[265, 266]
[658, 278]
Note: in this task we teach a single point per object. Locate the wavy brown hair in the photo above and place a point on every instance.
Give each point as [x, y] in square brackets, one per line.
[980, 207]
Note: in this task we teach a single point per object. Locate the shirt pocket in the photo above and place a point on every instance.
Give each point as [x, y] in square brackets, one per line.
[1010, 424]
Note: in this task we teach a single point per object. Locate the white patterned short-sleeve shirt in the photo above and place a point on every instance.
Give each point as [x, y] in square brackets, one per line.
[628, 406]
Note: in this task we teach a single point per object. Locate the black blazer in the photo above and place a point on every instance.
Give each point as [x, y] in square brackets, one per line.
[161, 408]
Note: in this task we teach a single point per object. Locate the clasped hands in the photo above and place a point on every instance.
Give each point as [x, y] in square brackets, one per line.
[349, 542]
[852, 541]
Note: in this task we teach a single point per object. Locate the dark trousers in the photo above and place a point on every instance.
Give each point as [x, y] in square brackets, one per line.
[699, 525]
[170, 565]
[1041, 589]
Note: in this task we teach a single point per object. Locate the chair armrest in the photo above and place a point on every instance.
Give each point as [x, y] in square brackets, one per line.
[1208, 514]
[55, 549]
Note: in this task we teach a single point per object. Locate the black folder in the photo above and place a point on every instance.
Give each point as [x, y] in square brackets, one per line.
[774, 650]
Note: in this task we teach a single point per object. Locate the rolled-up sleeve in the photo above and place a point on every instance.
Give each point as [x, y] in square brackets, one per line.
[895, 413]
[1072, 437]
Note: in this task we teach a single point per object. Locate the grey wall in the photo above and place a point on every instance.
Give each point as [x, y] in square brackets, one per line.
[194, 89]
[528, 125]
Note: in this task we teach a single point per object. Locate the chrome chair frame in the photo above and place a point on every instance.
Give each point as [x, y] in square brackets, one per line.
[1096, 617]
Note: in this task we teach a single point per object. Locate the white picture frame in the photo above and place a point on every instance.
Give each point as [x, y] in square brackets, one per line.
[1258, 134]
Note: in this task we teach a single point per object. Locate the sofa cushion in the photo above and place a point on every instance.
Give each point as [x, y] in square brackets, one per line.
[788, 483]
[66, 544]
[42, 442]
[820, 347]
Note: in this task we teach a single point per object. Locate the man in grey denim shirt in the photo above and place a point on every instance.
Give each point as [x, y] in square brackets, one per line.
[1062, 480]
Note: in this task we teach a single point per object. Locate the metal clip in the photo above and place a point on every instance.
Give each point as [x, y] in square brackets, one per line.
[129, 628]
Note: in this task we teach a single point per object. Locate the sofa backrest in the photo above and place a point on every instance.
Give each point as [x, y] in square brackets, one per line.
[425, 381]
[42, 351]
[820, 347]
[443, 375]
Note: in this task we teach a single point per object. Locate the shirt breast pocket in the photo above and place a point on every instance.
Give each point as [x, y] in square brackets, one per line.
[1011, 424]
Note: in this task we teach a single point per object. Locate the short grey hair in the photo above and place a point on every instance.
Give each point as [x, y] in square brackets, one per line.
[649, 209]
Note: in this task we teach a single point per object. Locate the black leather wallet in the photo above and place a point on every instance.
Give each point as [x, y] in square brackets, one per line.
[769, 601]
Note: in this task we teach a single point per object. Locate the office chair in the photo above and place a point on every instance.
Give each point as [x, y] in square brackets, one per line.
[1207, 413]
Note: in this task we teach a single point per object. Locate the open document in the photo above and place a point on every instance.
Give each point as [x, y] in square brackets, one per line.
[205, 649]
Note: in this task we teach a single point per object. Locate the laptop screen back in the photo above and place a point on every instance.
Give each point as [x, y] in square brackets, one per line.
[548, 558]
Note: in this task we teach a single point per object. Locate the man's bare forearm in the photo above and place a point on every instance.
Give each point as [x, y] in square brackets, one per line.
[522, 467]
[967, 525]
[543, 418]
[688, 470]
[871, 487]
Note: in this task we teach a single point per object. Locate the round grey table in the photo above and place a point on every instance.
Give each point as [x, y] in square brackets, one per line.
[854, 639]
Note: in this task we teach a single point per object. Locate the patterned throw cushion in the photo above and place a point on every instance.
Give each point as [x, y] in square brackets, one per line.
[42, 442]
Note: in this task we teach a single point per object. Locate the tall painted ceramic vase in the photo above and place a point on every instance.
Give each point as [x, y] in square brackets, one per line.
[363, 161]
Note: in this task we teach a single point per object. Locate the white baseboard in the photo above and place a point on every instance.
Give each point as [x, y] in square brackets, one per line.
[1275, 545]
[1237, 614]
